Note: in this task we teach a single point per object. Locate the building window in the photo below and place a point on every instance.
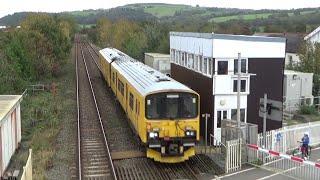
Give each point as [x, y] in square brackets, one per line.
[242, 114]
[182, 59]
[190, 61]
[243, 66]
[131, 99]
[205, 66]
[177, 57]
[210, 66]
[196, 62]
[242, 85]
[222, 67]
[173, 55]
[200, 63]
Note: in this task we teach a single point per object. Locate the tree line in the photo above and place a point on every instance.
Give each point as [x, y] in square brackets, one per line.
[34, 51]
[133, 38]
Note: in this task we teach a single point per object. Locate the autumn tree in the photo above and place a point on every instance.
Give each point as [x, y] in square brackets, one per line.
[309, 55]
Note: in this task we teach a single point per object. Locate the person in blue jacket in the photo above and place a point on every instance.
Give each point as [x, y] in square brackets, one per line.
[305, 142]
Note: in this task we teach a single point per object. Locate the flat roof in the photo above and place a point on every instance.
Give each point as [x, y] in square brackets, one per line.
[7, 103]
[229, 37]
[158, 55]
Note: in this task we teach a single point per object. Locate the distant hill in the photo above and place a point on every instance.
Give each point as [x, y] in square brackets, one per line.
[259, 20]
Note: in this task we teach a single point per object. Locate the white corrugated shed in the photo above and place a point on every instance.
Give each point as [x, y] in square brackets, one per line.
[10, 128]
[297, 86]
[160, 62]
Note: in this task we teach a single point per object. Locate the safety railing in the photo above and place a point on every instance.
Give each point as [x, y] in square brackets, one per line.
[284, 164]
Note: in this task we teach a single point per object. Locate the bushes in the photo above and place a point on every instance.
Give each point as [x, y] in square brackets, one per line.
[34, 52]
[305, 109]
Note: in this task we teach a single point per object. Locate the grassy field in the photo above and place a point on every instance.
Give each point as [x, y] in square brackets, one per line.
[164, 10]
[245, 17]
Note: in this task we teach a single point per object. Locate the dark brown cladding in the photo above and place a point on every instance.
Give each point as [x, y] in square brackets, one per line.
[202, 85]
[268, 79]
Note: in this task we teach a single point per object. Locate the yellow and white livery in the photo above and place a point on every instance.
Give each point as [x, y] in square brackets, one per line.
[163, 112]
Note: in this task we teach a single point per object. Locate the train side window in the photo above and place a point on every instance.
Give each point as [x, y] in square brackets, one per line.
[136, 106]
[131, 100]
[121, 87]
[113, 79]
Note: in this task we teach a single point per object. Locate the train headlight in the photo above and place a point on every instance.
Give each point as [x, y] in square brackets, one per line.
[153, 135]
[190, 133]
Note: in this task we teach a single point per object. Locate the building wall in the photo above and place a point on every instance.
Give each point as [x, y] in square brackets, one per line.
[269, 79]
[10, 136]
[202, 85]
[192, 45]
[225, 48]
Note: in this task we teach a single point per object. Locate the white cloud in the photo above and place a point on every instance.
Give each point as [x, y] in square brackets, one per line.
[11, 6]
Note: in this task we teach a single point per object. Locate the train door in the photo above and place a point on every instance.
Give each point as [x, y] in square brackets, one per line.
[126, 100]
[116, 85]
[136, 114]
[109, 78]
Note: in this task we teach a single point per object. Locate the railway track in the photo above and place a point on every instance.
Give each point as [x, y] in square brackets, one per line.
[121, 139]
[94, 158]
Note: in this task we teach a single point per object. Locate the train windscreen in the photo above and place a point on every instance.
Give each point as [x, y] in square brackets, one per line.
[171, 106]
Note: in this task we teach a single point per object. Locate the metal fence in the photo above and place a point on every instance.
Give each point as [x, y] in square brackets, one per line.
[27, 169]
[233, 155]
[286, 139]
[283, 164]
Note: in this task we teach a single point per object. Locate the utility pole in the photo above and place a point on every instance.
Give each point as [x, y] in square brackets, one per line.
[238, 90]
[206, 116]
[264, 122]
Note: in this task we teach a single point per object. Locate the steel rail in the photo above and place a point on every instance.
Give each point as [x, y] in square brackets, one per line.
[78, 114]
[99, 116]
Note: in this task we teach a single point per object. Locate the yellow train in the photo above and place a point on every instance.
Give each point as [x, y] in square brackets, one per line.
[163, 112]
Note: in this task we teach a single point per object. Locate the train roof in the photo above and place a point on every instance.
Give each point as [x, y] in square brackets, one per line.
[145, 79]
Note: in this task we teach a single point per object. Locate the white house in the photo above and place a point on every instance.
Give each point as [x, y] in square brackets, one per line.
[10, 128]
[314, 36]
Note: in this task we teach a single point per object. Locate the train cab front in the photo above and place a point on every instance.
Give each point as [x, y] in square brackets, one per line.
[172, 126]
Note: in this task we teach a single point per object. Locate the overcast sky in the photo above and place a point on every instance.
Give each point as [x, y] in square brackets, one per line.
[11, 6]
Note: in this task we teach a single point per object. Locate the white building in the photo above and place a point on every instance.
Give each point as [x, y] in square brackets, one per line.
[160, 62]
[297, 89]
[10, 128]
[208, 64]
[314, 36]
